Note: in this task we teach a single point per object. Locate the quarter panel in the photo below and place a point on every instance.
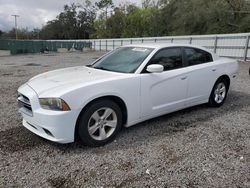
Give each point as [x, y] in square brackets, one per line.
[203, 77]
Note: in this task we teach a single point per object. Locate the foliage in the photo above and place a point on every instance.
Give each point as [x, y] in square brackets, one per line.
[75, 22]
[22, 34]
[177, 17]
[104, 4]
[153, 18]
[142, 23]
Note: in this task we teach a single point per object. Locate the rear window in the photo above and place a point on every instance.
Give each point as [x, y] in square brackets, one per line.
[196, 56]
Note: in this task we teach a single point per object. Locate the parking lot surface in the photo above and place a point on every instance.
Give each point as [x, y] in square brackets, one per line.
[195, 147]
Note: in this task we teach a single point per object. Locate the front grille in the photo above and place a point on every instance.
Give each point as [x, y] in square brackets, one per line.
[24, 104]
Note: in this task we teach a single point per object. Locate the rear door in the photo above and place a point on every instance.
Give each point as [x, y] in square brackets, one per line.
[166, 91]
[201, 74]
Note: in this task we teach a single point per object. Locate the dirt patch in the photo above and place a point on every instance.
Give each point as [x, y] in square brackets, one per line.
[7, 74]
[18, 139]
[60, 182]
[32, 64]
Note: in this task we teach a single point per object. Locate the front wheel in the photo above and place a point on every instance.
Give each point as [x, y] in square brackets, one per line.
[219, 93]
[99, 123]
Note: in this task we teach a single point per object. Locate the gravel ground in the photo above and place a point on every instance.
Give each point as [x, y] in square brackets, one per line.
[195, 147]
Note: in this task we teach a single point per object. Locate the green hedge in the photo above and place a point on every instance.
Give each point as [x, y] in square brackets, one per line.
[37, 46]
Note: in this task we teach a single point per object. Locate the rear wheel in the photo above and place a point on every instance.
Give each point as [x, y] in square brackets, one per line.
[219, 93]
[99, 123]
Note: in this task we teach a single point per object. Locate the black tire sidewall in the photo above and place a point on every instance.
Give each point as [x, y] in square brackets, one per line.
[83, 132]
[212, 101]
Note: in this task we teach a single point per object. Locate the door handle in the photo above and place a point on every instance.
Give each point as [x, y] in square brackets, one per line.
[213, 70]
[184, 78]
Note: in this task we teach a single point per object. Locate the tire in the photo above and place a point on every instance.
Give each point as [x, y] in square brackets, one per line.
[219, 93]
[99, 123]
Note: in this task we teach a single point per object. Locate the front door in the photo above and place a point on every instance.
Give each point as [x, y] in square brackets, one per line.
[166, 91]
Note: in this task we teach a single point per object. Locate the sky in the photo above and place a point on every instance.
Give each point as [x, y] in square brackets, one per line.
[35, 13]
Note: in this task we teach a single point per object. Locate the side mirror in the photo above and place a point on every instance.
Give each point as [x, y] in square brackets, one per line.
[155, 68]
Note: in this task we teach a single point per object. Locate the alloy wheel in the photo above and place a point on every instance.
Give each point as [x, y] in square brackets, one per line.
[102, 123]
[220, 92]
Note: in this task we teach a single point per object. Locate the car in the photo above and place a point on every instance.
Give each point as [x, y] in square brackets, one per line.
[126, 86]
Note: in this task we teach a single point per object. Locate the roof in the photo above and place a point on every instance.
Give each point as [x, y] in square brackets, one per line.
[162, 45]
[165, 45]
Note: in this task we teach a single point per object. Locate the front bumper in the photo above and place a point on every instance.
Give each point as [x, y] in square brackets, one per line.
[56, 126]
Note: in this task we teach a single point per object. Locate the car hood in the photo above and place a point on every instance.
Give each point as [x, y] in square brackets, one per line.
[69, 77]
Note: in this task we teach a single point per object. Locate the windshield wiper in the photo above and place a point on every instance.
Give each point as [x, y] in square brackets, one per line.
[101, 68]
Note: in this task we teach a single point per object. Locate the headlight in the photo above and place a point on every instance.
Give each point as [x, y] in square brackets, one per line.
[54, 104]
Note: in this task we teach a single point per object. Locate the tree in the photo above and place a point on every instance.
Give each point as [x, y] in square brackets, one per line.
[75, 22]
[115, 25]
[105, 5]
[171, 17]
[149, 3]
[153, 18]
[185, 17]
[142, 22]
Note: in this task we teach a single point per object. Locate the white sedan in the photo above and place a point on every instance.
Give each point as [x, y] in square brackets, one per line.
[124, 87]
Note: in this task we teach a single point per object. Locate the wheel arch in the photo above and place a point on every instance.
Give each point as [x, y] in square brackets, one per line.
[226, 78]
[211, 100]
[119, 101]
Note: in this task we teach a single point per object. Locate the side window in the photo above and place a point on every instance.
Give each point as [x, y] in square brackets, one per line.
[170, 58]
[196, 56]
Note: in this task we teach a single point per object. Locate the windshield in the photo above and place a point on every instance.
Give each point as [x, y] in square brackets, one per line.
[125, 59]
